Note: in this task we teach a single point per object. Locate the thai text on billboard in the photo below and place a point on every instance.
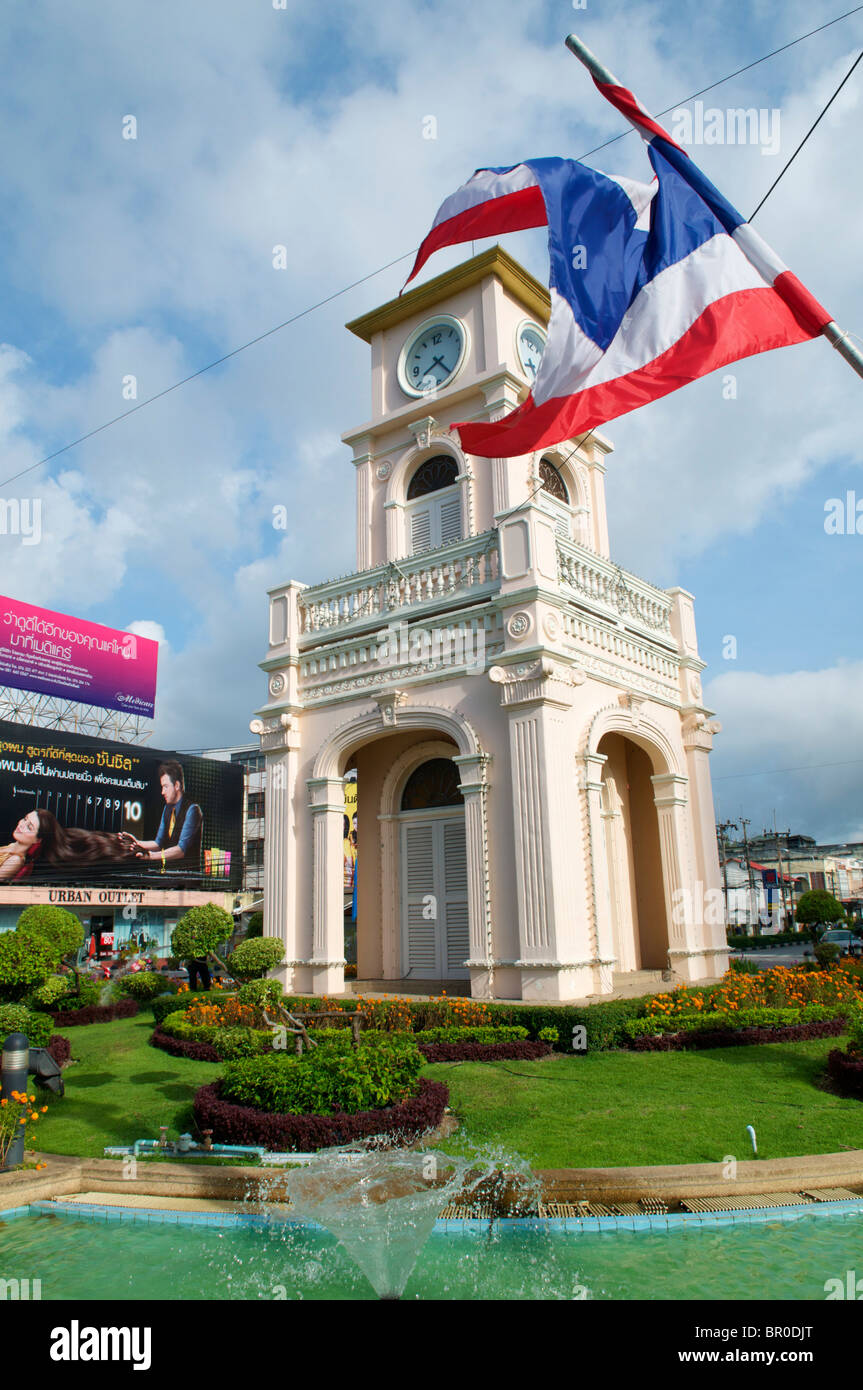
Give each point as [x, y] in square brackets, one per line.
[82, 811]
[53, 654]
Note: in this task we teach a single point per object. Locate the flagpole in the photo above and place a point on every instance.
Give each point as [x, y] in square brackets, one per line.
[835, 335]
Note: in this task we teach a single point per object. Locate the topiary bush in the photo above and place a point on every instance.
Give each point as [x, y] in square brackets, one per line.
[252, 959]
[15, 1018]
[61, 929]
[258, 994]
[818, 907]
[256, 926]
[334, 1076]
[142, 985]
[200, 930]
[25, 964]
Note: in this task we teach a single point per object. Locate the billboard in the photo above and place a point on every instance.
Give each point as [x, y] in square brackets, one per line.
[77, 660]
[78, 810]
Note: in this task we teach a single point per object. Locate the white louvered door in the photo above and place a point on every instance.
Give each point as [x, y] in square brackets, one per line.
[434, 898]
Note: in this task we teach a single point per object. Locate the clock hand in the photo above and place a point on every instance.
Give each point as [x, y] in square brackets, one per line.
[438, 362]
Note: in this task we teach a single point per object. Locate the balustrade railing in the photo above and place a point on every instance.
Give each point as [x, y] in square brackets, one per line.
[609, 589]
[432, 576]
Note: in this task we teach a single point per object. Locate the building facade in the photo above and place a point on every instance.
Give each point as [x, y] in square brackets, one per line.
[525, 719]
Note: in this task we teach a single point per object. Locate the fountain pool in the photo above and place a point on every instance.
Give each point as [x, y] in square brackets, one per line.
[103, 1253]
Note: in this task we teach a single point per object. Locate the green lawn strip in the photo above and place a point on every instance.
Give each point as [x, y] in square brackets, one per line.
[620, 1109]
[118, 1090]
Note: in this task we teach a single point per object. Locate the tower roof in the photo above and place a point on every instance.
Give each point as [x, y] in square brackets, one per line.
[495, 261]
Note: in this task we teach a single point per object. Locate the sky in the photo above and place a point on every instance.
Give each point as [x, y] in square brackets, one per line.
[154, 154]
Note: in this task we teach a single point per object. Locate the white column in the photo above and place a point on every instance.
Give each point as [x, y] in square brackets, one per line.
[481, 955]
[600, 871]
[363, 465]
[327, 962]
[677, 860]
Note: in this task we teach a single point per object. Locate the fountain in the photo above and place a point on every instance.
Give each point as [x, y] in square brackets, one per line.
[382, 1204]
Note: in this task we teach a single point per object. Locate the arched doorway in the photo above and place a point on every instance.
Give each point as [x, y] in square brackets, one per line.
[634, 856]
[435, 933]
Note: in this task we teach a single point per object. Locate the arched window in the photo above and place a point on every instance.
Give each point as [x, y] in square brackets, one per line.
[435, 783]
[552, 481]
[434, 521]
[436, 473]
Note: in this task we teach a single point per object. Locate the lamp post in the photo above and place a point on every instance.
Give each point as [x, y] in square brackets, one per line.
[14, 1069]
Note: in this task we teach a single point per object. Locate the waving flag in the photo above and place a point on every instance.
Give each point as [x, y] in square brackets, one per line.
[652, 284]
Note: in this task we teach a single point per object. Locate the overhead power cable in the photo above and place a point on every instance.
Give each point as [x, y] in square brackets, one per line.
[328, 299]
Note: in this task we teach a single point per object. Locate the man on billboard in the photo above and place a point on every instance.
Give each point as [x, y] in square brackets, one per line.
[178, 838]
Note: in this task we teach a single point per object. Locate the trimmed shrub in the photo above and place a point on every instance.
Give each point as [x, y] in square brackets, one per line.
[16, 1018]
[252, 959]
[25, 963]
[200, 930]
[484, 1052]
[846, 1069]
[470, 1035]
[817, 907]
[758, 943]
[332, 1077]
[714, 1020]
[143, 985]
[741, 1037]
[239, 1124]
[60, 1049]
[256, 926]
[827, 953]
[258, 994]
[62, 930]
[94, 1013]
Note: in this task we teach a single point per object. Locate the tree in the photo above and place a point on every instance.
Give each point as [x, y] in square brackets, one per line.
[817, 908]
[25, 963]
[60, 929]
[256, 926]
[200, 930]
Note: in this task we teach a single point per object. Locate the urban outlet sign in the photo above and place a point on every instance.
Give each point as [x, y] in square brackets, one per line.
[118, 896]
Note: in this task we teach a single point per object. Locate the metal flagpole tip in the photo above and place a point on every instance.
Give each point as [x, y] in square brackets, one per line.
[591, 62]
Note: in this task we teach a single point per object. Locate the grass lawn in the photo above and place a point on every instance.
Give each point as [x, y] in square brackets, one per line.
[120, 1089]
[615, 1109]
[605, 1109]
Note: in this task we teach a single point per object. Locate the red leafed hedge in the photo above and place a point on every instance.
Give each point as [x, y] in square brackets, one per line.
[60, 1049]
[521, 1049]
[184, 1047]
[95, 1013]
[847, 1071]
[741, 1037]
[240, 1124]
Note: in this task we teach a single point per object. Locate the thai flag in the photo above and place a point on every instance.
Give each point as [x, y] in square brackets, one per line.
[652, 284]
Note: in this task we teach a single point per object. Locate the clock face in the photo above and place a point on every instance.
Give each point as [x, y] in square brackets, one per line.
[531, 345]
[432, 356]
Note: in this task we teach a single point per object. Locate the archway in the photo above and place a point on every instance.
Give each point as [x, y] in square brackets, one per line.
[636, 887]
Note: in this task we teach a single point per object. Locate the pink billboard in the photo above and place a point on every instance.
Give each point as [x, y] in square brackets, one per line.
[54, 654]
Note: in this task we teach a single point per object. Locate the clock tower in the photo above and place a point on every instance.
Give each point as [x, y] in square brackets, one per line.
[524, 718]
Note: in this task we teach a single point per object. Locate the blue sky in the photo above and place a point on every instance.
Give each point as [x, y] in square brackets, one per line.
[303, 127]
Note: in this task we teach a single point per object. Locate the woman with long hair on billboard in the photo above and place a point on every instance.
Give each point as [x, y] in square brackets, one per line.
[39, 838]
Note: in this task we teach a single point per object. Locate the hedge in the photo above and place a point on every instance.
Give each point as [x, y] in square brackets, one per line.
[95, 1013]
[184, 1047]
[721, 1021]
[331, 1078]
[484, 1052]
[758, 943]
[166, 1004]
[743, 1037]
[240, 1124]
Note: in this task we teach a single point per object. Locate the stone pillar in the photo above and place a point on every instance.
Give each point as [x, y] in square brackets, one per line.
[672, 809]
[698, 734]
[327, 961]
[555, 959]
[474, 787]
[363, 465]
[600, 870]
[280, 742]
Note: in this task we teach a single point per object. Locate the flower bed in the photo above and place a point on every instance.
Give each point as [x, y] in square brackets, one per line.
[484, 1052]
[241, 1124]
[95, 1013]
[777, 988]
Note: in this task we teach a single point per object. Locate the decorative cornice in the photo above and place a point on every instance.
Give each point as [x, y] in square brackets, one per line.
[529, 292]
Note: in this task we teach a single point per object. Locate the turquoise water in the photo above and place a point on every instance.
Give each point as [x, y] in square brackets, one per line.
[774, 1259]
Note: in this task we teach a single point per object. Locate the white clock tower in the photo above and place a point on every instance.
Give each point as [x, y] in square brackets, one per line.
[525, 718]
